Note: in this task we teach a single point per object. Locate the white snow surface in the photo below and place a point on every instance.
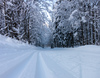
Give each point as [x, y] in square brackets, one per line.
[9, 3]
[20, 60]
[71, 15]
[83, 19]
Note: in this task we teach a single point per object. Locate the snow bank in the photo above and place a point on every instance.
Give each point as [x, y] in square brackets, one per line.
[6, 41]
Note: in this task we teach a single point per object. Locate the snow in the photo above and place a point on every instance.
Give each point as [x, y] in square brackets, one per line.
[95, 7]
[83, 19]
[20, 60]
[9, 3]
[71, 15]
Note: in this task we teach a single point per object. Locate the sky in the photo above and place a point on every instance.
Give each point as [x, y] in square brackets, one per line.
[25, 0]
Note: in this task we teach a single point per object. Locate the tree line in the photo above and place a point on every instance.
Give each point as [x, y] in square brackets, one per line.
[77, 23]
[25, 20]
[74, 22]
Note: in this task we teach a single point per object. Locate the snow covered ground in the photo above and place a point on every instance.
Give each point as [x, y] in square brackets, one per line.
[19, 60]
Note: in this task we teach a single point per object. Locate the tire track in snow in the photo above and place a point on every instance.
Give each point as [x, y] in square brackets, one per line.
[56, 69]
[42, 70]
[8, 56]
[16, 66]
[90, 64]
[30, 68]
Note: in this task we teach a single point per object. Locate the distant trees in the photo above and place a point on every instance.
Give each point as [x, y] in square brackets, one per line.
[38, 23]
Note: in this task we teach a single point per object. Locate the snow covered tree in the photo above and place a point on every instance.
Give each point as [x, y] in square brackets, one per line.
[24, 23]
[11, 13]
[88, 24]
[2, 21]
[3, 8]
[35, 23]
[63, 34]
[87, 32]
[14, 19]
[73, 22]
[81, 18]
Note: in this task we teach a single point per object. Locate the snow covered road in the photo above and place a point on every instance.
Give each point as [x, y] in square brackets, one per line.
[24, 61]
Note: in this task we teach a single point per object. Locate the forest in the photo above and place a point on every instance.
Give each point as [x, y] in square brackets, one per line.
[51, 23]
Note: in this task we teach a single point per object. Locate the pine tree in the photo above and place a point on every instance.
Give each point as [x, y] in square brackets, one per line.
[63, 34]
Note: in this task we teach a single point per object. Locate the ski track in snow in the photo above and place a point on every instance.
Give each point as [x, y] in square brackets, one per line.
[22, 61]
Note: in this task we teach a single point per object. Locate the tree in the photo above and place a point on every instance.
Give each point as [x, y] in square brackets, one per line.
[2, 17]
[63, 34]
